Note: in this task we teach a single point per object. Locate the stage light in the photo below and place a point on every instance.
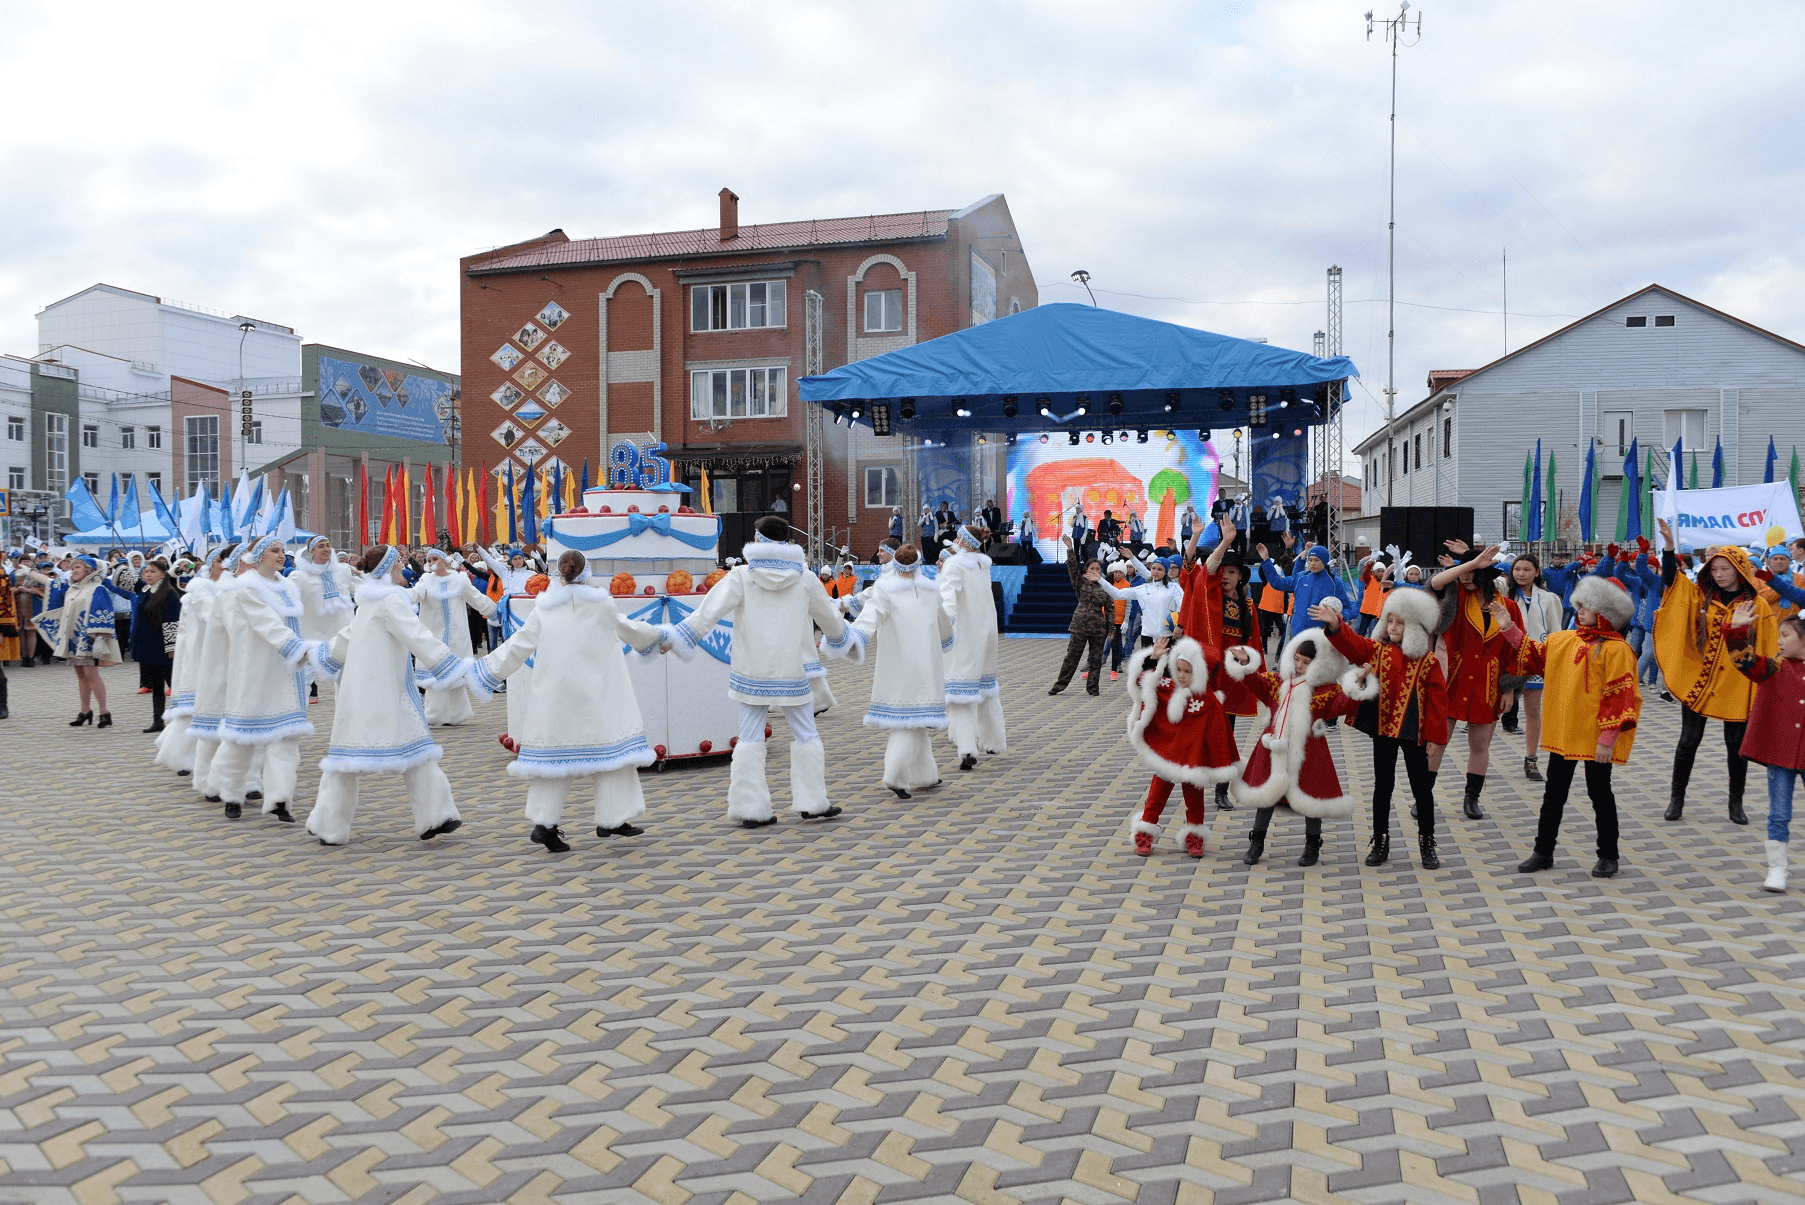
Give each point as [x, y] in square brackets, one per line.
[1256, 410]
[1297, 431]
[1010, 409]
[838, 414]
[857, 413]
[908, 408]
[959, 408]
[981, 438]
[1071, 437]
[1043, 438]
[1286, 397]
[1140, 437]
[1108, 438]
[1046, 406]
[1172, 402]
[1090, 437]
[1225, 399]
[1084, 404]
[1115, 403]
[1009, 439]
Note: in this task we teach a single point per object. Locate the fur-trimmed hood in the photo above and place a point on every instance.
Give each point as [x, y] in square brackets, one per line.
[1606, 596]
[1326, 667]
[1421, 615]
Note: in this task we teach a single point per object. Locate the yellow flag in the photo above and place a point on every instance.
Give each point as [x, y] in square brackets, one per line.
[570, 491]
[705, 499]
[542, 497]
[501, 507]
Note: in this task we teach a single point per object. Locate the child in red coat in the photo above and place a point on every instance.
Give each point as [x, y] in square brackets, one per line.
[1774, 737]
[1290, 764]
[1178, 728]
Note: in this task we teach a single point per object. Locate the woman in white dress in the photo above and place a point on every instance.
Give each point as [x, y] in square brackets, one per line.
[908, 687]
[582, 721]
[266, 692]
[175, 744]
[973, 699]
[442, 593]
[380, 725]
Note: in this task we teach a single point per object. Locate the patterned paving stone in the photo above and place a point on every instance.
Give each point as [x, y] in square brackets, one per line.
[980, 995]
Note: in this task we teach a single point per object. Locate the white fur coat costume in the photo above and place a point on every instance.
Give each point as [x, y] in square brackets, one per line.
[175, 744]
[442, 602]
[971, 665]
[1290, 762]
[266, 692]
[326, 597]
[212, 660]
[582, 717]
[379, 726]
[908, 687]
[775, 604]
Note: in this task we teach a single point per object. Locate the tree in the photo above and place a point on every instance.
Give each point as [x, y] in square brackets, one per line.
[1169, 489]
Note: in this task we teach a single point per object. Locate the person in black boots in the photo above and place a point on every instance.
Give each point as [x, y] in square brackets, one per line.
[77, 624]
[1089, 626]
[155, 613]
[1592, 708]
[1475, 650]
[1699, 668]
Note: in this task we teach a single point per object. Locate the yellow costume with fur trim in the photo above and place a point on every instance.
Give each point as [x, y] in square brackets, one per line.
[1700, 672]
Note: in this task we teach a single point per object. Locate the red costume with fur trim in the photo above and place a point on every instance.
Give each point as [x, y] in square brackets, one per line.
[1291, 763]
[1413, 698]
[1182, 735]
[1203, 617]
[1477, 654]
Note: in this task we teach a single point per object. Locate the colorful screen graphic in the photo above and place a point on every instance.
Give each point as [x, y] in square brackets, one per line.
[1155, 480]
[381, 401]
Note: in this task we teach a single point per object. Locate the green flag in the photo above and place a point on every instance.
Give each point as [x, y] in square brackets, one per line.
[1550, 512]
[1529, 473]
[1623, 510]
[1792, 474]
[1692, 477]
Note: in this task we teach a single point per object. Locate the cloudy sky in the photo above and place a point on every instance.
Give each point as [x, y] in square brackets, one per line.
[325, 165]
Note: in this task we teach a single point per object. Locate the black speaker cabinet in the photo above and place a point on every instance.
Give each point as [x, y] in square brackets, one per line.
[1422, 530]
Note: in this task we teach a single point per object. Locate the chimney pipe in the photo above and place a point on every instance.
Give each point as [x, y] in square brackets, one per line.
[730, 215]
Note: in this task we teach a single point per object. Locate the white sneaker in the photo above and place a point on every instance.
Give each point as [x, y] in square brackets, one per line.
[1776, 867]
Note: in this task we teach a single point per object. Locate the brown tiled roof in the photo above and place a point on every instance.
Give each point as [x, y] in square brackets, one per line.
[1441, 378]
[772, 236]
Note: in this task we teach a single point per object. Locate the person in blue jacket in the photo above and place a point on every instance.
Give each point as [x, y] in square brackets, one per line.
[1561, 577]
[1310, 583]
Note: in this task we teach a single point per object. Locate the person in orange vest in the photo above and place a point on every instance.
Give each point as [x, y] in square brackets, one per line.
[1372, 582]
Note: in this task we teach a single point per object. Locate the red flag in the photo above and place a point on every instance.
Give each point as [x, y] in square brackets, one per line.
[429, 528]
[362, 534]
[482, 506]
[452, 527]
[387, 534]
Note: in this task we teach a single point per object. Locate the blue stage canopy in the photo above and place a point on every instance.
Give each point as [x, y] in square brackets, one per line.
[1048, 363]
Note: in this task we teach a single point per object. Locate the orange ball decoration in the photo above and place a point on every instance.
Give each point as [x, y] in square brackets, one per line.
[622, 584]
[679, 582]
[536, 584]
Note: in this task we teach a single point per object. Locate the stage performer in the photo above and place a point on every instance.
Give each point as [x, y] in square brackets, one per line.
[1217, 610]
[442, 594]
[1592, 705]
[379, 726]
[908, 685]
[1476, 652]
[78, 624]
[266, 694]
[176, 743]
[1698, 664]
[772, 600]
[1409, 715]
[1290, 763]
[213, 676]
[974, 703]
[1180, 732]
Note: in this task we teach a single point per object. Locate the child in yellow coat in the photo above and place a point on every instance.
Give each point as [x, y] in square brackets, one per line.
[1590, 708]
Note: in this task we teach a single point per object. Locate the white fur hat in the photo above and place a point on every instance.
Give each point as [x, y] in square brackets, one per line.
[1325, 667]
[1421, 615]
[1608, 597]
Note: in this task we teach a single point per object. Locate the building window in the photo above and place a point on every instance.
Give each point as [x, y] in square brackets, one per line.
[1684, 425]
[1663, 319]
[93, 481]
[56, 453]
[883, 486]
[737, 393]
[1637, 320]
[128, 437]
[750, 306]
[883, 310]
[1617, 429]
[156, 481]
[255, 436]
[201, 464]
[1447, 438]
[15, 477]
[1419, 450]
[90, 435]
[153, 438]
[15, 428]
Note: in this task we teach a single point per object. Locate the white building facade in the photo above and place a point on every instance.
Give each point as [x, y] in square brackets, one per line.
[1656, 367]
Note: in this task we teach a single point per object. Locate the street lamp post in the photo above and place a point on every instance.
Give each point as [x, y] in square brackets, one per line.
[244, 396]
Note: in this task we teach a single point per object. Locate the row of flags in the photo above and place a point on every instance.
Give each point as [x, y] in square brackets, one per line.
[1635, 501]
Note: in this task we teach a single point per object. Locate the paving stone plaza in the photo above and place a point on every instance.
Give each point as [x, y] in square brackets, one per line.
[979, 995]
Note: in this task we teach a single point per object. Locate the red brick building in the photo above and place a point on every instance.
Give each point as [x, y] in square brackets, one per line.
[696, 339]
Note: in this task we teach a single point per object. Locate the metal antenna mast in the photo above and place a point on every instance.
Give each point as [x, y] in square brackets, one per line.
[1333, 430]
[815, 429]
[1504, 267]
[1395, 28]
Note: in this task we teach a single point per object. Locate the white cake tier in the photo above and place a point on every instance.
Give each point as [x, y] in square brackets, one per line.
[636, 536]
[620, 502]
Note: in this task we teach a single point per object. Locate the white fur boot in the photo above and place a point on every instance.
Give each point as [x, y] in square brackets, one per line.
[748, 794]
[1776, 867]
[808, 778]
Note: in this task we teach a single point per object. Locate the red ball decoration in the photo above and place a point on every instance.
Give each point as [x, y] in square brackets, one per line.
[705, 746]
[659, 750]
[664, 510]
[633, 510]
[606, 510]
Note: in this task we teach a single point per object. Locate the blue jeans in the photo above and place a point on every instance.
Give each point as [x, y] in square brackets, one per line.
[1364, 624]
[1779, 802]
[1648, 670]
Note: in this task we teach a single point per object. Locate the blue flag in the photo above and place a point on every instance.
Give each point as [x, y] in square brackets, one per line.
[1632, 489]
[128, 507]
[161, 510]
[585, 488]
[1676, 469]
[84, 512]
[113, 503]
[1532, 522]
[1586, 500]
[1717, 466]
[529, 519]
[1773, 458]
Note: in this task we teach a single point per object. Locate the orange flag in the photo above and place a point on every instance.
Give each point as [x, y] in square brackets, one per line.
[429, 527]
[386, 532]
[451, 505]
[404, 506]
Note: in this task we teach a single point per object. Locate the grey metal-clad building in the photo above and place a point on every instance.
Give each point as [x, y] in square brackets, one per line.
[1657, 366]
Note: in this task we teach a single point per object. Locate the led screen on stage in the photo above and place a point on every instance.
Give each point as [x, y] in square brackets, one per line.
[1155, 480]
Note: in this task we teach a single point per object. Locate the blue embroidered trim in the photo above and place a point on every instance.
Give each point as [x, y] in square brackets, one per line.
[447, 668]
[768, 688]
[619, 753]
[292, 648]
[946, 644]
[843, 643]
[380, 753]
[890, 711]
[487, 680]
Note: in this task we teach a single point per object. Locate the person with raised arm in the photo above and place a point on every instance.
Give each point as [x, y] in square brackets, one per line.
[445, 595]
[1476, 652]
